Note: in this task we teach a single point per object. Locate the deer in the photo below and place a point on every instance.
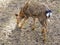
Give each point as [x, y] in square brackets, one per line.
[39, 11]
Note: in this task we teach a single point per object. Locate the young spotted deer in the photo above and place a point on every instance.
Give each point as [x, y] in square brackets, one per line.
[34, 10]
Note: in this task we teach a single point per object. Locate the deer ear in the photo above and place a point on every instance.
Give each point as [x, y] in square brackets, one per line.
[16, 14]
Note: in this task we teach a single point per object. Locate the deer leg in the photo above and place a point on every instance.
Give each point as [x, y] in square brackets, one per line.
[44, 32]
[44, 29]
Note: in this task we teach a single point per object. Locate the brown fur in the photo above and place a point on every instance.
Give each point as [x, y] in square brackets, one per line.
[35, 11]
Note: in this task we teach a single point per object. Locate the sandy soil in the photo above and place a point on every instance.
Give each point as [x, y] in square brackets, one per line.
[10, 34]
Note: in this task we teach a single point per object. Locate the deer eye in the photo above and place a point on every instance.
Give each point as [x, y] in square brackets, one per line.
[16, 14]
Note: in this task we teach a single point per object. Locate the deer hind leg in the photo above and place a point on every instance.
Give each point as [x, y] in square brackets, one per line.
[44, 29]
[44, 34]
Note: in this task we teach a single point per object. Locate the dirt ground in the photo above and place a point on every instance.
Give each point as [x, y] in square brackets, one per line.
[10, 34]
